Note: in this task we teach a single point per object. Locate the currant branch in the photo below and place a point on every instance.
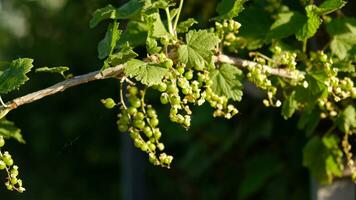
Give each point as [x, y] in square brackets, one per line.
[117, 72]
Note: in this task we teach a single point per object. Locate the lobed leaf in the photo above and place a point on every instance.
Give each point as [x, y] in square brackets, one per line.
[286, 24]
[9, 130]
[323, 158]
[311, 25]
[147, 73]
[107, 45]
[13, 75]
[290, 105]
[101, 14]
[228, 9]
[329, 6]
[343, 33]
[346, 119]
[185, 25]
[125, 54]
[59, 70]
[227, 82]
[198, 48]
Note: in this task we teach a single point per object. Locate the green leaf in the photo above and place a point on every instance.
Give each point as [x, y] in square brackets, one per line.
[131, 9]
[156, 28]
[312, 24]
[125, 54]
[309, 121]
[135, 33]
[108, 44]
[101, 14]
[343, 33]
[330, 6]
[290, 105]
[228, 9]
[198, 48]
[185, 25]
[148, 73]
[227, 82]
[9, 130]
[60, 70]
[346, 119]
[286, 24]
[14, 74]
[162, 4]
[323, 158]
[254, 28]
[259, 169]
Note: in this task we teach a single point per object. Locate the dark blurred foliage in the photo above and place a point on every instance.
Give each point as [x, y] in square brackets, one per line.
[73, 146]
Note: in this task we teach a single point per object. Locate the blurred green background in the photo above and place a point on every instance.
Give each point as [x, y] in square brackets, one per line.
[74, 150]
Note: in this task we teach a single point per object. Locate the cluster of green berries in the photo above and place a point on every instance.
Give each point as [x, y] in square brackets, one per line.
[349, 157]
[259, 76]
[7, 164]
[191, 85]
[338, 88]
[141, 122]
[284, 58]
[227, 31]
[273, 6]
[288, 61]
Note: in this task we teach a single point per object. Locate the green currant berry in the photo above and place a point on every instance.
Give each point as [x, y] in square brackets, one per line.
[8, 161]
[158, 135]
[13, 181]
[139, 115]
[164, 98]
[2, 165]
[109, 103]
[160, 146]
[188, 75]
[147, 131]
[164, 41]
[168, 63]
[133, 90]
[172, 89]
[151, 113]
[2, 141]
[175, 100]
[152, 147]
[123, 128]
[132, 111]
[180, 70]
[139, 124]
[162, 87]
[135, 102]
[154, 122]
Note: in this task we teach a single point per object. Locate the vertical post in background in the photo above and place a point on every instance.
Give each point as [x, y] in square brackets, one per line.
[132, 171]
[132, 168]
[340, 189]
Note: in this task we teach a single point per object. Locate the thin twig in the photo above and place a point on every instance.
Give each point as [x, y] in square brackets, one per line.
[114, 72]
[117, 72]
[245, 63]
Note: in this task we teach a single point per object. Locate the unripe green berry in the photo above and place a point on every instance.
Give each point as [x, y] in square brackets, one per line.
[168, 63]
[123, 128]
[2, 141]
[162, 87]
[132, 111]
[109, 103]
[164, 98]
[188, 75]
[133, 90]
[154, 122]
[135, 102]
[2, 165]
